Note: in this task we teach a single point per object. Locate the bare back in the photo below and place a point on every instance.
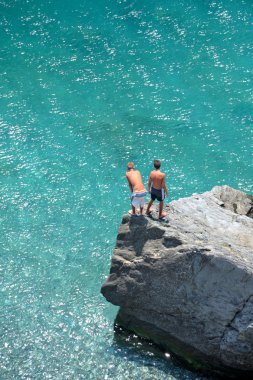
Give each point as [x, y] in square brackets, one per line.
[158, 179]
[135, 181]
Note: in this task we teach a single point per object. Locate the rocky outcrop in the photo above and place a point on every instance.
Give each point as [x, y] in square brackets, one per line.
[187, 283]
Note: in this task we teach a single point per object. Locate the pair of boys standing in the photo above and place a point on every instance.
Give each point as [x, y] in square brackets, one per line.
[156, 188]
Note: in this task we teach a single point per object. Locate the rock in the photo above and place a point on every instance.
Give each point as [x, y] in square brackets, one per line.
[187, 283]
[234, 200]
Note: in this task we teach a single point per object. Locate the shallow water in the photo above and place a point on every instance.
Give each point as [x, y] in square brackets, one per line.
[86, 87]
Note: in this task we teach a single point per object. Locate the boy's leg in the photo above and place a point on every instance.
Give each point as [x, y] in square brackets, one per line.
[161, 213]
[142, 204]
[132, 212]
[149, 205]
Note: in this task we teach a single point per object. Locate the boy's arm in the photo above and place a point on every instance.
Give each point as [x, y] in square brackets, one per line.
[149, 184]
[129, 183]
[165, 187]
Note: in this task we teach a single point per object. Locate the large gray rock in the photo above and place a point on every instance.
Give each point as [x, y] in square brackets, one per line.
[187, 283]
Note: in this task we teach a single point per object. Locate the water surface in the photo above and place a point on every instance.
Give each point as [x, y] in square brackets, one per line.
[86, 87]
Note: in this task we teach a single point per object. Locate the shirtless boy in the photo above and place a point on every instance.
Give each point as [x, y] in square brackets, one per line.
[136, 187]
[157, 188]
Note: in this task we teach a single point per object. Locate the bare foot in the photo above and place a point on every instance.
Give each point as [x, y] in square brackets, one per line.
[148, 213]
[133, 213]
[162, 215]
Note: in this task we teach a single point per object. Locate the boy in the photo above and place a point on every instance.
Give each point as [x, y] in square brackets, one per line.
[157, 188]
[136, 187]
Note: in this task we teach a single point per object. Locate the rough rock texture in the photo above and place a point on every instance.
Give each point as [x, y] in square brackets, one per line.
[187, 283]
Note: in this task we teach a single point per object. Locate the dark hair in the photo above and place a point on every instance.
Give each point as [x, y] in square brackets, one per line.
[157, 164]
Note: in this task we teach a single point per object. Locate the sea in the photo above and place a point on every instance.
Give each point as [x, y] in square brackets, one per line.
[85, 87]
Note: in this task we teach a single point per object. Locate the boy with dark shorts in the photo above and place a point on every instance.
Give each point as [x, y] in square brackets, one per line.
[157, 188]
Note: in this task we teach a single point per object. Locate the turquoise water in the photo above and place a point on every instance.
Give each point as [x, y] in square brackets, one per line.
[86, 87]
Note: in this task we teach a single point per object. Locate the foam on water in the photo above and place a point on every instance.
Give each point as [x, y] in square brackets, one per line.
[85, 87]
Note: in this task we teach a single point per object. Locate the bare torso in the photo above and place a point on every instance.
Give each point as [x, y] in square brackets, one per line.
[157, 179]
[135, 181]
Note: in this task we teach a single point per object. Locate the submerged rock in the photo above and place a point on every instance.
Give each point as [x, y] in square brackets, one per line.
[187, 283]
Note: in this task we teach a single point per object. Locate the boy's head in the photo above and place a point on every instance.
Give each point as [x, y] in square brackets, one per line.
[157, 164]
[130, 165]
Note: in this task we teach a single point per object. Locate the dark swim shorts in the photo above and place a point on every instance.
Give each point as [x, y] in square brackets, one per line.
[157, 194]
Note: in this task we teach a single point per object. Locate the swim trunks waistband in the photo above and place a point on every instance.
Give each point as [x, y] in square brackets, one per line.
[139, 195]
